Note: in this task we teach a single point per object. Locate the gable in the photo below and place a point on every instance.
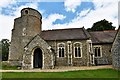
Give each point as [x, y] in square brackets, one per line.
[37, 41]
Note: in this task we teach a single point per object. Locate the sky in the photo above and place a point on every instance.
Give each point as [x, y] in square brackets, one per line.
[59, 14]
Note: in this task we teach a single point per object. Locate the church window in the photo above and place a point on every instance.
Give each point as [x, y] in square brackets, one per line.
[77, 50]
[61, 50]
[97, 51]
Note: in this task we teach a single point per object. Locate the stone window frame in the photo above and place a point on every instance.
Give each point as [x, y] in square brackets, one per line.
[90, 46]
[99, 46]
[69, 51]
[77, 47]
[61, 47]
[69, 46]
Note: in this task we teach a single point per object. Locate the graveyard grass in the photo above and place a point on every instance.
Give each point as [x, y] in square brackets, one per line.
[99, 73]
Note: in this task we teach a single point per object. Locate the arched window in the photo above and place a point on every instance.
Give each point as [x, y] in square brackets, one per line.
[98, 51]
[61, 50]
[26, 11]
[77, 50]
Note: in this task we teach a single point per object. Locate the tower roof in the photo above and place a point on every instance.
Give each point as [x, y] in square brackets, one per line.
[30, 12]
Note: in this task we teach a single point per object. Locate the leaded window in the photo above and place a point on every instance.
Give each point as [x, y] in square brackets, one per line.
[77, 50]
[61, 50]
[97, 51]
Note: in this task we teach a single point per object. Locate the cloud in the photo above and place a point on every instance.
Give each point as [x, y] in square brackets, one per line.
[33, 5]
[71, 5]
[6, 25]
[119, 13]
[48, 21]
[84, 13]
[0, 10]
[7, 21]
[5, 3]
[104, 10]
[103, 3]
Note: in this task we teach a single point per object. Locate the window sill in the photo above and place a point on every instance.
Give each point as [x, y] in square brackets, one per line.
[98, 57]
[77, 57]
[61, 57]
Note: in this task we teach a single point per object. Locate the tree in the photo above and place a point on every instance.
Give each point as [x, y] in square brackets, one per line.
[102, 25]
[5, 49]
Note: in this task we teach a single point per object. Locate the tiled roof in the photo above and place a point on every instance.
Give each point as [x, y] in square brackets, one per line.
[99, 37]
[65, 34]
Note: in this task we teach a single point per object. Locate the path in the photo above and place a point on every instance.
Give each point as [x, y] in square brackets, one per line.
[61, 69]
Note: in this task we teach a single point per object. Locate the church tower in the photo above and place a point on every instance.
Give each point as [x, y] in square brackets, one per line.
[25, 28]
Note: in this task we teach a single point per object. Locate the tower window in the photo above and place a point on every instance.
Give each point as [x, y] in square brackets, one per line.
[26, 11]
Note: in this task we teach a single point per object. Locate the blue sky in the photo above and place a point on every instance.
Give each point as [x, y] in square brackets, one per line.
[59, 14]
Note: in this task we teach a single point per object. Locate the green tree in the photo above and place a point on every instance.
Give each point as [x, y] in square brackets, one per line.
[102, 25]
[5, 49]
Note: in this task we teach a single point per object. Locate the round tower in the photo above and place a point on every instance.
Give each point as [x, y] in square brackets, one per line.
[25, 28]
[32, 12]
[33, 21]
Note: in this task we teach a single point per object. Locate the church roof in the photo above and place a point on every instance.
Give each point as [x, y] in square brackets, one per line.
[99, 37]
[65, 34]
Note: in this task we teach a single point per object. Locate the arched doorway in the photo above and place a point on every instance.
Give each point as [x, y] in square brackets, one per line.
[37, 60]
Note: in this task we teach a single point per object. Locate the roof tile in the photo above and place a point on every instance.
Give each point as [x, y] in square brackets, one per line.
[65, 34]
[103, 36]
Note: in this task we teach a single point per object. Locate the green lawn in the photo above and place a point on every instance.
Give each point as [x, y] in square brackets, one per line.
[5, 66]
[100, 73]
[9, 68]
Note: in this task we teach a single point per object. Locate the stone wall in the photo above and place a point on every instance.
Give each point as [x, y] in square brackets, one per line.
[75, 61]
[25, 28]
[116, 51]
[106, 56]
[47, 55]
[106, 53]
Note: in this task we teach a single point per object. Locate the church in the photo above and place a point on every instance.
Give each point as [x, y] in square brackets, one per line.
[31, 47]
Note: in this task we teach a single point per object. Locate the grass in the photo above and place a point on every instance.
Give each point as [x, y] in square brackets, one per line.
[100, 73]
[9, 68]
[5, 66]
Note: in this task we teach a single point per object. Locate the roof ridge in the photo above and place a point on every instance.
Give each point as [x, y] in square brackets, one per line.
[104, 31]
[65, 34]
[62, 29]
